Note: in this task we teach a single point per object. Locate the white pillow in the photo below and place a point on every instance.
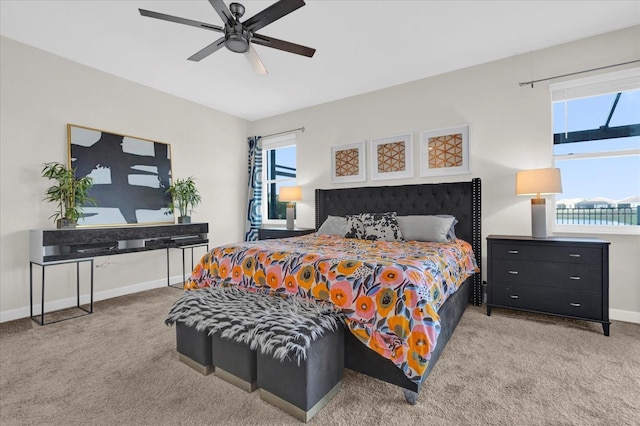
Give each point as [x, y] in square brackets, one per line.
[426, 228]
[333, 225]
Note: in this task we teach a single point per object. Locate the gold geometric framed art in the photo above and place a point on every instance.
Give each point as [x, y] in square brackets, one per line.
[348, 163]
[392, 157]
[444, 151]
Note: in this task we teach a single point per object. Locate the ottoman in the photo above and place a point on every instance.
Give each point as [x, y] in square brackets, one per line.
[235, 362]
[194, 348]
[302, 390]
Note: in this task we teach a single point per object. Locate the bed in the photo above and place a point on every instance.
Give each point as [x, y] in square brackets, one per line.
[333, 269]
[460, 199]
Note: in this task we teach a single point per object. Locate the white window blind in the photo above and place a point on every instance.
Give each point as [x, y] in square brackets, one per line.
[619, 81]
[278, 141]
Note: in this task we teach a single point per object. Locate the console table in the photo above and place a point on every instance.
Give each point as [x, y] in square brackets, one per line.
[74, 245]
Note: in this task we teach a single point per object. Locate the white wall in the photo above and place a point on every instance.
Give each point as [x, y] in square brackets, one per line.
[41, 93]
[510, 130]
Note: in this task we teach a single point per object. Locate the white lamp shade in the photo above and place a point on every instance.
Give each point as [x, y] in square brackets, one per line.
[538, 181]
[290, 193]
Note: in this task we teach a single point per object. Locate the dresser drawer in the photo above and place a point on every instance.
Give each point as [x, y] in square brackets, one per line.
[273, 233]
[547, 253]
[267, 234]
[549, 274]
[548, 300]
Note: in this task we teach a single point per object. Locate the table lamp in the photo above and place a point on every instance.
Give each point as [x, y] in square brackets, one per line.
[538, 181]
[290, 194]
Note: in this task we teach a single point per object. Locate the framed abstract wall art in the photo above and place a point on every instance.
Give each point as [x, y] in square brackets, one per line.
[130, 176]
[444, 151]
[348, 163]
[392, 157]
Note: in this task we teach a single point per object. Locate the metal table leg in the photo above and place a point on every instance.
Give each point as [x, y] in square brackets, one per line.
[42, 288]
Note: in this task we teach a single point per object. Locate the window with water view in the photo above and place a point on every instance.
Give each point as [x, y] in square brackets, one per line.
[596, 145]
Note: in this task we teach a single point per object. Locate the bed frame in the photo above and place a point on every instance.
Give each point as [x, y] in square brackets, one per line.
[461, 199]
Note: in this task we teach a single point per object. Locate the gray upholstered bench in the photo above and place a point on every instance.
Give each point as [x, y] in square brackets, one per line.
[291, 348]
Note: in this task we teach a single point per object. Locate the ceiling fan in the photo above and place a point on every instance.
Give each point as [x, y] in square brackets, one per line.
[240, 36]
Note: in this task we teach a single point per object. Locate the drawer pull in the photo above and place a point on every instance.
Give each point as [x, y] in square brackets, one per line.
[514, 296]
[575, 305]
[513, 251]
[574, 278]
[574, 255]
[513, 272]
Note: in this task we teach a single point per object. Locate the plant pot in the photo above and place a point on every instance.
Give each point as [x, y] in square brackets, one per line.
[184, 219]
[65, 223]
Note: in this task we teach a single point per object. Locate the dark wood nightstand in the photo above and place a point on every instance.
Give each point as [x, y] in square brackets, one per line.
[567, 277]
[282, 232]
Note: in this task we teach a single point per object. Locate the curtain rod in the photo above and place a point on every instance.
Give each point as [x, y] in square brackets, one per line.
[532, 82]
[286, 131]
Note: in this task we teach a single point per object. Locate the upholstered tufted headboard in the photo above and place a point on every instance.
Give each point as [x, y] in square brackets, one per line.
[460, 199]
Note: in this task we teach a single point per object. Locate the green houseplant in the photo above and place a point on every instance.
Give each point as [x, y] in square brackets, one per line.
[184, 198]
[69, 192]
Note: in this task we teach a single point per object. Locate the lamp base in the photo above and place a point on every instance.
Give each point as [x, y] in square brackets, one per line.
[538, 218]
[290, 216]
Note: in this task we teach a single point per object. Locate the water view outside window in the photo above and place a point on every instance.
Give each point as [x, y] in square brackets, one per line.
[597, 148]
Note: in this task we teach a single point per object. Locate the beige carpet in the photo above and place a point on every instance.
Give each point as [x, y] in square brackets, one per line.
[119, 367]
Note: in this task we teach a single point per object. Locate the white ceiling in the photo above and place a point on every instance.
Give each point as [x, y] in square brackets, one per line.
[361, 45]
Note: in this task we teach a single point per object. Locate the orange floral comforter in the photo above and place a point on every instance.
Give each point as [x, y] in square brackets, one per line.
[389, 291]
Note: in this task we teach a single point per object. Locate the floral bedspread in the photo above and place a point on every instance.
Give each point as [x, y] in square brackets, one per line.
[389, 291]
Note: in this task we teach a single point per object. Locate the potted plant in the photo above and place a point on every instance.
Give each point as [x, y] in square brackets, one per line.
[69, 192]
[184, 197]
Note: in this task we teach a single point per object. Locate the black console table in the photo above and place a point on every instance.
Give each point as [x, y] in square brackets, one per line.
[74, 245]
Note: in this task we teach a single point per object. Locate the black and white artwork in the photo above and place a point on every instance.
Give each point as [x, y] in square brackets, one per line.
[130, 176]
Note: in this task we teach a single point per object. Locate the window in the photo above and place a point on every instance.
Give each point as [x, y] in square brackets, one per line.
[596, 145]
[278, 170]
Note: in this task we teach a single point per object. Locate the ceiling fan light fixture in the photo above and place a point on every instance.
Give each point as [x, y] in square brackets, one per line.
[239, 37]
[238, 43]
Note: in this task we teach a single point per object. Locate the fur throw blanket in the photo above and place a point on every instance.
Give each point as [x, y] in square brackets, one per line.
[281, 327]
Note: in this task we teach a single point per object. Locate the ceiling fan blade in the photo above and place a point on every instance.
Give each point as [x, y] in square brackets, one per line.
[272, 13]
[208, 50]
[283, 45]
[171, 18]
[254, 60]
[223, 11]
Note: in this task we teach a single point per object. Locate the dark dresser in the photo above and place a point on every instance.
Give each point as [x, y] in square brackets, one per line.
[567, 277]
[282, 232]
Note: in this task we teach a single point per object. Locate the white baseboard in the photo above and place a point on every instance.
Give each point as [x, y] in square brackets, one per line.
[625, 316]
[55, 305]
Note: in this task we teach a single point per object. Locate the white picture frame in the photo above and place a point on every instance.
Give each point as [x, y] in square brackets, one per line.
[391, 157]
[348, 163]
[445, 151]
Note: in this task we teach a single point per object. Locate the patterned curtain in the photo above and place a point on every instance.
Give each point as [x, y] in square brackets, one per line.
[254, 194]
